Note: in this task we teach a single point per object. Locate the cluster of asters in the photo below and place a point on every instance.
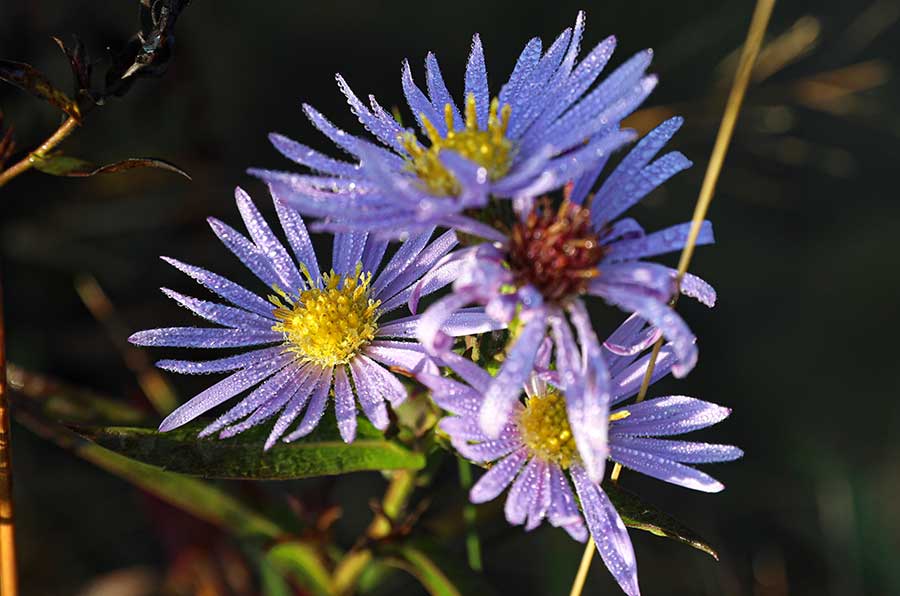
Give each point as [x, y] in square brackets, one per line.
[507, 206]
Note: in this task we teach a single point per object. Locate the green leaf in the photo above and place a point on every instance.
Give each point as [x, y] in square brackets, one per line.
[73, 167]
[377, 578]
[271, 582]
[322, 453]
[32, 80]
[301, 564]
[642, 516]
[197, 497]
[438, 572]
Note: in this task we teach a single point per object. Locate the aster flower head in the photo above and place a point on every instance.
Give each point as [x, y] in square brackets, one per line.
[535, 453]
[548, 125]
[317, 333]
[551, 258]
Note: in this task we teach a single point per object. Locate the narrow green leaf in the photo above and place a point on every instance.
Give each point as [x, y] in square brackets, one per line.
[438, 572]
[377, 578]
[74, 167]
[33, 81]
[197, 497]
[301, 564]
[642, 516]
[271, 582]
[322, 453]
[429, 574]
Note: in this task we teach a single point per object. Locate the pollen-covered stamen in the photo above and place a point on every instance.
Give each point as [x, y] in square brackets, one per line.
[557, 251]
[488, 148]
[620, 415]
[545, 429]
[328, 325]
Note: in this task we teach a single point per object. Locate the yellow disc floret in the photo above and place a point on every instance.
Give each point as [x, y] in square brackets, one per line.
[545, 429]
[488, 148]
[328, 326]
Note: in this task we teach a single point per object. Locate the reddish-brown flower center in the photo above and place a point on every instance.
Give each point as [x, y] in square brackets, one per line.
[557, 251]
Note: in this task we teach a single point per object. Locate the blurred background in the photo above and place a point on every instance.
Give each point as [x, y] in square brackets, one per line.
[806, 216]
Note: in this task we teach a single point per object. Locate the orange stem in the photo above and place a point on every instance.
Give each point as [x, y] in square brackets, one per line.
[8, 579]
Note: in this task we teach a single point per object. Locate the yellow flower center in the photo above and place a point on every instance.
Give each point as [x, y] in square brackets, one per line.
[488, 148]
[545, 429]
[328, 326]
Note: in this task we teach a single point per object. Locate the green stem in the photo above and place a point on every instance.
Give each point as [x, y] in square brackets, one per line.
[473, 544]
[29, 160]
[399, 490]
[395, 499]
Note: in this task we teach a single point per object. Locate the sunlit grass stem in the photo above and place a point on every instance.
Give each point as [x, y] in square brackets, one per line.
[752, 45]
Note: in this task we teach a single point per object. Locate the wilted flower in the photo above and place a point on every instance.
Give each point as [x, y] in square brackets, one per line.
[323, 329]
[536, 453]
[551, 258]
[546, 127]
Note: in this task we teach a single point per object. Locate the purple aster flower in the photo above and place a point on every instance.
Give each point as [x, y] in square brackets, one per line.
[550, 259]
[536, 454]
[548, 125]
[318, 333]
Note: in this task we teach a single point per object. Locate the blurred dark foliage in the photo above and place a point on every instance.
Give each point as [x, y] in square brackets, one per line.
[800, 345]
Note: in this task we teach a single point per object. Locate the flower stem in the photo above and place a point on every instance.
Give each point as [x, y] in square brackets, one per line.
[581, 576]
[8, 580]
[29, 160]
[395, 499]
[473, 544]
[752, 45]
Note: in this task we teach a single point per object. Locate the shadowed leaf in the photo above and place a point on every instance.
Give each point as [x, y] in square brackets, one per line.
[322, 453]
[79, 61]
[32, 80]
[7, 143]
[642, 516]
[73, 167]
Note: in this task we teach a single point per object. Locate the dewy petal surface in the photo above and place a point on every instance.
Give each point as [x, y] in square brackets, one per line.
[550, 103]
[324, 324]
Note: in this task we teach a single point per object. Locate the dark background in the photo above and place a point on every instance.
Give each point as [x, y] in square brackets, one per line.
[802, 343]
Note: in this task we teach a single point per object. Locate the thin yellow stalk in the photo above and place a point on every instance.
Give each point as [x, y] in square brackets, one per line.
[583, 568]
[752, 45]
